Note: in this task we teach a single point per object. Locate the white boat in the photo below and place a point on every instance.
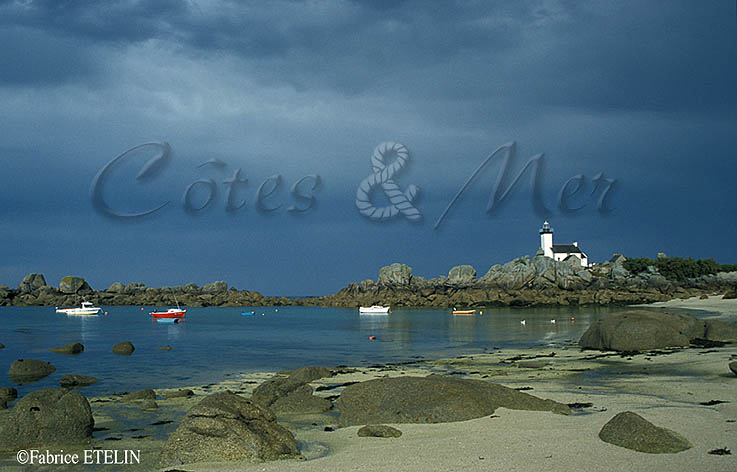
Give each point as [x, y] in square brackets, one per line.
[376, 309]
[87, 308]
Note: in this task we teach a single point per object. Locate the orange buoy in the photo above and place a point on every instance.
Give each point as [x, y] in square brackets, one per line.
[372, 338]
[106, 313]
[141, 308]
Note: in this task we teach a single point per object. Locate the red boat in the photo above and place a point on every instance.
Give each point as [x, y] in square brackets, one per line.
[170, 313]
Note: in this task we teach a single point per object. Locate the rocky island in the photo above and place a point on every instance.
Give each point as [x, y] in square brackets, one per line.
[525, 281]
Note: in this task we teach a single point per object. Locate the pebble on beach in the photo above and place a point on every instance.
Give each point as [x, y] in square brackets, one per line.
[379, 431]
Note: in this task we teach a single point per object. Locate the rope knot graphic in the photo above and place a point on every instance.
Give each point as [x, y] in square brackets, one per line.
[399, 202]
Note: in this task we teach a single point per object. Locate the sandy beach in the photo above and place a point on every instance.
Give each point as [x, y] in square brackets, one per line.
[668, 389]
[673, 388]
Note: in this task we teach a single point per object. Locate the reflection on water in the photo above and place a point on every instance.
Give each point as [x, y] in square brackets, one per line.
[215, 341]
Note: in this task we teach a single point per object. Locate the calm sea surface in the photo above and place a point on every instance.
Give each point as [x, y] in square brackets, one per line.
[213, 342]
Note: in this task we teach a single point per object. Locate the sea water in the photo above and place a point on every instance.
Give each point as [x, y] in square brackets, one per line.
[213, 343]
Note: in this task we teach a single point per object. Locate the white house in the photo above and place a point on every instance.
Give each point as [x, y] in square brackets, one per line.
[560, 252]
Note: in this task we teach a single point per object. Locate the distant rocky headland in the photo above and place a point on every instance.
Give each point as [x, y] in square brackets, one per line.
[525, 281]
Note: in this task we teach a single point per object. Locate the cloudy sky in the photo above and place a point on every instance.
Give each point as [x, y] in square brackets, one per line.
[632, 104]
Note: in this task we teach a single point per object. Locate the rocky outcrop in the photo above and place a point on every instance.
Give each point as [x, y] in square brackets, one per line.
[73, 348]
[115, 287]
[641, 330]
[632, 431]
[25, 371]
[215, 287]
[432, 399]
[462, 275]
[225, 427]
[51, 417]
[525, 281]
[74, 285]
[395, 275]
[31, 283]
[125, 348]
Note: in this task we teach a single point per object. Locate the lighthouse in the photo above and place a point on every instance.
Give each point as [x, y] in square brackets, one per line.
[546, 239]
[560, 252]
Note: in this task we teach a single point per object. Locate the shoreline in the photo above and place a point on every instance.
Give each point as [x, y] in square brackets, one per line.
[666, 387]
[717, 304]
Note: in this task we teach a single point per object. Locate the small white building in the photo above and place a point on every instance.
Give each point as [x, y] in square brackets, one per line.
[560, 252]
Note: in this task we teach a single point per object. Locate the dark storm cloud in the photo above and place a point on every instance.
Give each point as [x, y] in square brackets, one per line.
[627, 55]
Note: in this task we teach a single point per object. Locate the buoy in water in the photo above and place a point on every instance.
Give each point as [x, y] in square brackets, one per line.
[372, 338]
[106, 313]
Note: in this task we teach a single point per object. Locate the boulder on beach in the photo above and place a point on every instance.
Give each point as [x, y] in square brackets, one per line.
[717, 330]
[140, 395]
[74, 285]
[50, 417]
[25, 371]
[73, 348]
[8, 393]
[733, 367]
[125, 348]
[74, 380]
[181, 393]
[226, 427]
[432, 399]
[379, 431]
[289, 396]
[632, 431]
[642, 330]
[309, 373]
[147, 405]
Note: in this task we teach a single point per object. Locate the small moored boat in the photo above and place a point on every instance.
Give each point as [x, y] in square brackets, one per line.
[374, 309]
[176, 313]
[170, 313]
[86, 308]
[248, 313]
[464, 312]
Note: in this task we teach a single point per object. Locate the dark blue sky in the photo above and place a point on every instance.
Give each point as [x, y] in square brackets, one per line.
[644, 93]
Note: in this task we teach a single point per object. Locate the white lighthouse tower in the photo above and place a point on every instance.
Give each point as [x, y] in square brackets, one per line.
[560, 252]
[546, 239]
